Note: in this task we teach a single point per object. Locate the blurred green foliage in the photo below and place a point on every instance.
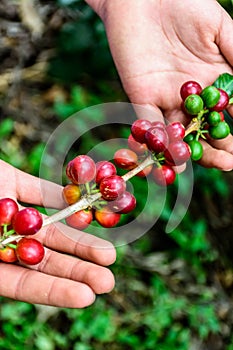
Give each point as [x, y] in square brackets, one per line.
[168, 304]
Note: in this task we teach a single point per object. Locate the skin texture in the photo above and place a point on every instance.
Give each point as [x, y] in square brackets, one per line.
[157, 45]
[73, 270]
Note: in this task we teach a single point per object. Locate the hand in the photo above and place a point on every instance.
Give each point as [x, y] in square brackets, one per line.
[65, 280]
[158, 45]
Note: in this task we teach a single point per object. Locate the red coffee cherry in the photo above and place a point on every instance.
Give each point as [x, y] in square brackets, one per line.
[27, 221]
[137, 147]
[112, 187]
[125, 158]
[80, 220]
[71, 193]
[156, 139]
[164, 175]
[81, 170]
[189, 88]
[8, 254]
[106, 217]
[29, 251]
[139, 128]
[123, 204]
[177, 153]
[104, 169]
[222, 103]
[8, 208]
[175, 131]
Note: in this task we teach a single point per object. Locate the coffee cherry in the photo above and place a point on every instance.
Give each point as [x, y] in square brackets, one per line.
[29, 251]
[193, 104]
[164, 175]
[139, 128]
[196, 150]
[8, 254]
[71, 193]
[112, 187]
[123, 204]
[175, 131]
[125, 158]
[156, 139]
[188, 138]
[103, 169]
[213, 118]
[177, 153]
[222, 103]
[210, 95]
[106, 217]
[189, 88]
[81, 170]
[81, 219]
[219, 131]
[8, 208]
[137, 147]
[27, 221]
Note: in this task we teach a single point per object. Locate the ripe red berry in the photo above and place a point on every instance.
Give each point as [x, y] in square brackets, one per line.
[139, 128]
[112, 187]
[156, 139]
[137, 147]
[8, 208]
[104, 168]
[189, 88]
[29, 251]
[175, 131]
[123, 204]
[125, 158]
[8, 254]
[222, 103]
[177, 153]
[27, 221]
[106, 217]
[81, 169]
[81, 219]
[164, 175]
[71, 193]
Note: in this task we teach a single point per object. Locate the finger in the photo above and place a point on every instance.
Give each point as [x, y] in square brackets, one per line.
[31, 189]
[98, 278]
[28, 188]
[216, 158]
[63, 238]
[31, 286]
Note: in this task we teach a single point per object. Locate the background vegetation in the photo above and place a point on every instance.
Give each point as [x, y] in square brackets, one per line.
[173, 291]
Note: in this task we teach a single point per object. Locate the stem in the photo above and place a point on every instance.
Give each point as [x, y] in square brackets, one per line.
[194, 125]
[148, 161]
[10, 239]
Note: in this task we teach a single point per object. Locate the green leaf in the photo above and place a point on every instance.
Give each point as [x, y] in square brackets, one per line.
[225, 82]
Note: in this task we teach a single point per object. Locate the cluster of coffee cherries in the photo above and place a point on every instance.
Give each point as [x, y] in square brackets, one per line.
[87, 178]
[205, 107]
[16, 227]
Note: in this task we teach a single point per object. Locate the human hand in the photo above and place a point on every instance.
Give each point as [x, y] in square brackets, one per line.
[158, 45]
[72, 271]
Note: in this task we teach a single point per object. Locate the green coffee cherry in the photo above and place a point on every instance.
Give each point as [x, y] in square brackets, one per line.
[213, 118]
[196, 150]
[219, 131]
[193, 104]
[210, 96]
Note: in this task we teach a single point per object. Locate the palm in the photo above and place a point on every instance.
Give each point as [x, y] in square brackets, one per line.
[166, 45]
